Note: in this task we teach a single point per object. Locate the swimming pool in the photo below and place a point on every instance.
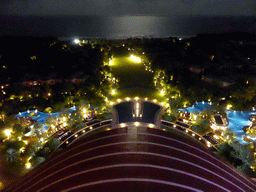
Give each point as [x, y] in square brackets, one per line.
[40, 117]
[237, 119]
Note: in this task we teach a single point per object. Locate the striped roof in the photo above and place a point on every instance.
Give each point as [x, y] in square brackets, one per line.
[134, 159]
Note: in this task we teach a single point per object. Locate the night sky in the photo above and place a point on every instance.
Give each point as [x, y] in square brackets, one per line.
[129, 7]
[17, 16]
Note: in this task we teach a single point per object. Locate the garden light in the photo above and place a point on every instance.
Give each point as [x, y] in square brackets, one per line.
[8, 132]
[28, 165]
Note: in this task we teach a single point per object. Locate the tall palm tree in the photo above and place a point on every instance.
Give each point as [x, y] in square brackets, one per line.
[12, 154]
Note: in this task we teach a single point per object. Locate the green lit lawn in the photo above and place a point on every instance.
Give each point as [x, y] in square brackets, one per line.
[134, 80]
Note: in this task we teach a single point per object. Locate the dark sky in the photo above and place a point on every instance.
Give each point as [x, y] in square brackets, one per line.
[128, 7]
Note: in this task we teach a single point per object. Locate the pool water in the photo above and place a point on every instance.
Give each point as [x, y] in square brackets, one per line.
[40, 117]
[237, 119]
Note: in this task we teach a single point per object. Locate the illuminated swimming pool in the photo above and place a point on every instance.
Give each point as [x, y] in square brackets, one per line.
[237, 119]
[40, 116]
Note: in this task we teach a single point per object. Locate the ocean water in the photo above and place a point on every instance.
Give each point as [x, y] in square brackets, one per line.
[125, 26]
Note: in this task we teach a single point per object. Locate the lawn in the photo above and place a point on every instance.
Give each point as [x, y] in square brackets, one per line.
[134, 80]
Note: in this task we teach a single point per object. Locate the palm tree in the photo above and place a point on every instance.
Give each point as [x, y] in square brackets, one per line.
[12, 154]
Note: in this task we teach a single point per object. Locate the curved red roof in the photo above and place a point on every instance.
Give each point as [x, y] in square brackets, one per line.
[134, 159]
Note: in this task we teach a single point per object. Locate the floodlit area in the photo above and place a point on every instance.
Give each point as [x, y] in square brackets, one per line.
[136, 59]
[134, 80]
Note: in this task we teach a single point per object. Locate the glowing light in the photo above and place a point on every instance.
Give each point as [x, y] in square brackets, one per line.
[154, 100]
[136, 98]
[229, 106]
[28, 165]
[119, 100]
[8, 132]
[22, 149]
[76, 41]
[122, 124]
[25, 141]
[76, 135]
[146, 99]
[215, 136]
[162, 92]
[151, 125]
[67, 142]
[91, 128]
[137, 109]
[113, 91]
[136, 59]
[136, 124]
[83, 131]
[127, 99]
[19, 138]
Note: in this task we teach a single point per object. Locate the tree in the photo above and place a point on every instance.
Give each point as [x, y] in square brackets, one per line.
[18, 128]
[11, 154]
[35, 161]
[229, 135]
[243, 152]
[51, 120]
[52, 143]
[38, 129]
[224, 152]
[201, 126]
[244, 168]
[37, 145]
[14, 144]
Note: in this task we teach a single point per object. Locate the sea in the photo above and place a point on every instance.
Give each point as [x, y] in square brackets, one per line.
[123, 26]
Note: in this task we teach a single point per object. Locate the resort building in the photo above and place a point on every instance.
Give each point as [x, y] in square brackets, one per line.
[132, 153]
